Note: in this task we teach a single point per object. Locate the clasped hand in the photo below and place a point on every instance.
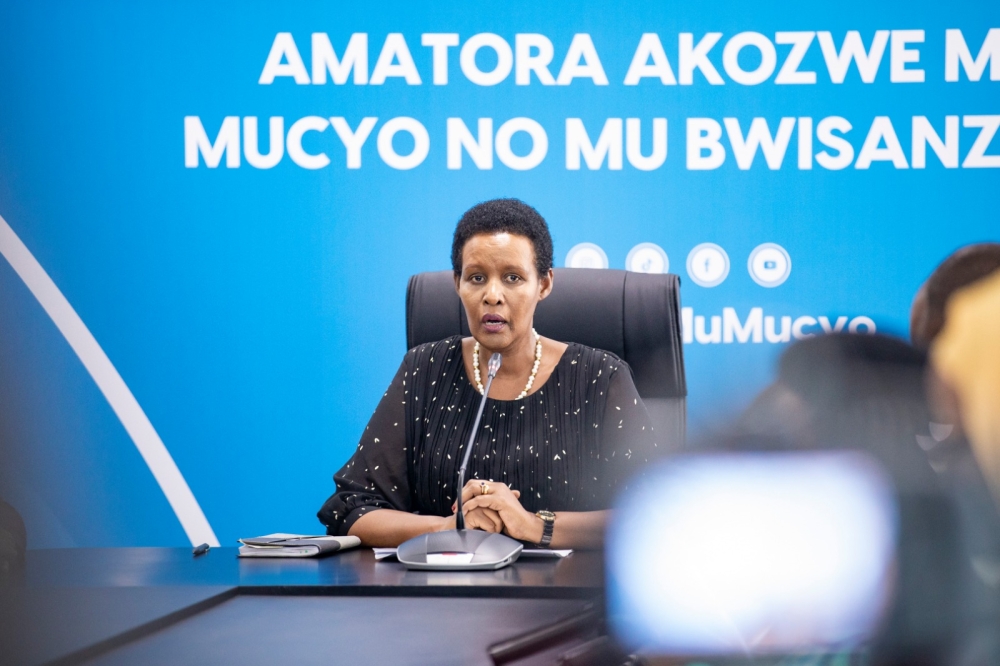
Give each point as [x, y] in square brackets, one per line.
[499, 510]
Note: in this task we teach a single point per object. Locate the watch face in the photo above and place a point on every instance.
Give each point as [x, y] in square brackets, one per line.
[547, 516]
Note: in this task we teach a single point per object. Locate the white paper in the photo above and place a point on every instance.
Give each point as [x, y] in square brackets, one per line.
[545, 553]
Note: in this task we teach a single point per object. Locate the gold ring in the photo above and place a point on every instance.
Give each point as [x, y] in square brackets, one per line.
[484, 489]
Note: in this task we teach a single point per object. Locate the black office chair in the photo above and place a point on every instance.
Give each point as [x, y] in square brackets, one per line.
[633, 315]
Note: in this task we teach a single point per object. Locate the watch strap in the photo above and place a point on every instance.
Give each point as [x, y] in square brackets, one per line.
[548, 523]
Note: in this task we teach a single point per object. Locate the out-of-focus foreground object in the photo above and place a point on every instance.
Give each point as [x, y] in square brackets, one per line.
[966, 356]
[868, 393]
[753, 554]
[13, 542]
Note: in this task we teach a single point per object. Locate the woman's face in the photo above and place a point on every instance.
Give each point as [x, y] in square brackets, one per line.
[500, 288]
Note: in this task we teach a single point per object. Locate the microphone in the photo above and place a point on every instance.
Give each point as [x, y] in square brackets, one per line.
[491, 372]
[461, 549]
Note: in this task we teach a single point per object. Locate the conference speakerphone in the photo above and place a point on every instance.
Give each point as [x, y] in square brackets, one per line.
[459, 550]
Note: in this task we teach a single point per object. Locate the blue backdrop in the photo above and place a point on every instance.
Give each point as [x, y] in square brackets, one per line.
[256, 314]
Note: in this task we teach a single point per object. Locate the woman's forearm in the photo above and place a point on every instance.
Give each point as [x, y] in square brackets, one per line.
[387, 528]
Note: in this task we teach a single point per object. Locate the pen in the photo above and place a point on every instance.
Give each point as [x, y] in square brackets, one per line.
[200, 550]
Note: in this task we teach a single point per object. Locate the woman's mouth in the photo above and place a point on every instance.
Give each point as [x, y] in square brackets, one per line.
[493, 323]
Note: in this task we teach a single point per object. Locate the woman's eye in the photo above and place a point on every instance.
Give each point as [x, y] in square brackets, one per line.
[513, 278]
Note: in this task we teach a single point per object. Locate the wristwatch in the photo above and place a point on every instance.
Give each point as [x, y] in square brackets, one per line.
[548, 522]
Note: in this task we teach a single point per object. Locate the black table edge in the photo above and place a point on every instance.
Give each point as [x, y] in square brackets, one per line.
[143, 630]
[462, 591]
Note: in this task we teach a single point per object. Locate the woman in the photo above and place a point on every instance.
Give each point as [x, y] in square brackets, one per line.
[562, 431]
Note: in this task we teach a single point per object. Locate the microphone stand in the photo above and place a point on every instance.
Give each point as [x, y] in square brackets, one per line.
[461, 549]
[491, 371]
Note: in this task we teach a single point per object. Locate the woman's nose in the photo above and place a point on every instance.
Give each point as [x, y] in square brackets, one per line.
[494, 293]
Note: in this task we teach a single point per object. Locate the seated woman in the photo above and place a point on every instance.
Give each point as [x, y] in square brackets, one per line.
[562, 431]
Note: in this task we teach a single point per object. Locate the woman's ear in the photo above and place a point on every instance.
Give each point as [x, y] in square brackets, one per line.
[545, 284]
[458, 281]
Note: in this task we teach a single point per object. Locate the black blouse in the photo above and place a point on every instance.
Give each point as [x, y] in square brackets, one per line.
[572, 445]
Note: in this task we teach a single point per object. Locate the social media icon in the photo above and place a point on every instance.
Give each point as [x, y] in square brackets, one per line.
[708, 265]
[647, 258]
[769, 265]
[586, 255]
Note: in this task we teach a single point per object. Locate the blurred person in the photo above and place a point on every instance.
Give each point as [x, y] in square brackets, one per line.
[966, 358]
[963, 267]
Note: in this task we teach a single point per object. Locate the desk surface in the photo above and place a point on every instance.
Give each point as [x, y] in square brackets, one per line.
[353, 572]
[255, 629]
[97, 603]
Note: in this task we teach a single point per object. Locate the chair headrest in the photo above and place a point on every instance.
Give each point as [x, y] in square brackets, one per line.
[636, 316]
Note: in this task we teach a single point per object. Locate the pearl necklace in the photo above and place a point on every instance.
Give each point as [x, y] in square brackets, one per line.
[534, 368]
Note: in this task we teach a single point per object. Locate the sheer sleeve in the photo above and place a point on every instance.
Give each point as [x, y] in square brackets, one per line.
[376, 475]
[628, 442]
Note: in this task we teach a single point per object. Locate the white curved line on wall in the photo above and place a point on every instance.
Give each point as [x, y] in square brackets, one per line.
[111, 384]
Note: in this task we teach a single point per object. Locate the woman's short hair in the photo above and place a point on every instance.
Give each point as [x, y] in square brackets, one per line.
[497, 216]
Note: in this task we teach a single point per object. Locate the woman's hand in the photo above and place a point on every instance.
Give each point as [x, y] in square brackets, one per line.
[483, 519]
[479, 519]
[504, 502]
